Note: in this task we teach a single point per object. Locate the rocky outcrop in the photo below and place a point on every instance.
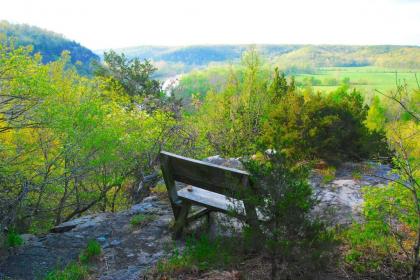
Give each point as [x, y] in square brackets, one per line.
[127, 250]
[340, 199]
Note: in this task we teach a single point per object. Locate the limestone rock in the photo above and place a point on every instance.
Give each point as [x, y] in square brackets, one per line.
[126, 251]
[231, 162]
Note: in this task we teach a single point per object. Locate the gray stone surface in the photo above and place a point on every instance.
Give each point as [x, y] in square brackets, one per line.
[341, 199]
[231, 162]
[127, 250]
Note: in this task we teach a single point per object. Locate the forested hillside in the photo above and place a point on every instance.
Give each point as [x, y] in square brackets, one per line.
[302, 56]
[49, 44]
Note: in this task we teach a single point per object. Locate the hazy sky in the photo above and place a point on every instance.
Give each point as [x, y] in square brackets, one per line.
[121, 23]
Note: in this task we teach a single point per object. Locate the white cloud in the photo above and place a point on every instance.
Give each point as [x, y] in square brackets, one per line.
[122, 23]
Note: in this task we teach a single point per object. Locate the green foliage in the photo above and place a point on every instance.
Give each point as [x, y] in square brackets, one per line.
[254, 109]
[378, 243]
[328, 174]
[73, 271]
[132, 75]
[49, 44]
[78, 271]
[69, 144]
[141, 219]
[369, 251]
[92, 251]
[200, 82]
[202, 254]
[328, 126]
[160, 188]
[356, 174]
[376, 118]
[230, 122]
[296, 242]
[386, 242]
[13, 239]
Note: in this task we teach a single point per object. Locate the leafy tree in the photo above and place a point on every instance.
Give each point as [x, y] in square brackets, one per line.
[376, 118]
[74, 147]
[327, 126]
[230, 122]
[132, 75]
[391, 230]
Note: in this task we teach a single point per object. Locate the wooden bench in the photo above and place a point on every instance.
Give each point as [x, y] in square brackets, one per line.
[216, 188]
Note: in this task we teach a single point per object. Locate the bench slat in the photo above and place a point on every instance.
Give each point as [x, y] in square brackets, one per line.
[210, 199]
[205, 175]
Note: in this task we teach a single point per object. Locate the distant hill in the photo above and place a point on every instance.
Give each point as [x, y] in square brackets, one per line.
[407, 57]
[49, 44]
[286, 56]
[200, 54]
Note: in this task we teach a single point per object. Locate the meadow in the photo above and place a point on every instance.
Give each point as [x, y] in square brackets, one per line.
[367, 78]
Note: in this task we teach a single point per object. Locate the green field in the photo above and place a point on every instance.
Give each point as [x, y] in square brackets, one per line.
[365, 78]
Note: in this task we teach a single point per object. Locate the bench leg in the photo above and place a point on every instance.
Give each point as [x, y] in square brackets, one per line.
[208, 220]
[181, 219]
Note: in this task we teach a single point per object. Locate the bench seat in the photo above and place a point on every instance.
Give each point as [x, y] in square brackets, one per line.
[215, 201]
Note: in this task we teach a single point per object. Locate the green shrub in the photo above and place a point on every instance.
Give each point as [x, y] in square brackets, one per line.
[381, 244]
[371, 251]
[93, 250]
[13, 239]
[356, 174]
[323, 126]
[73, 271]
[297, 244]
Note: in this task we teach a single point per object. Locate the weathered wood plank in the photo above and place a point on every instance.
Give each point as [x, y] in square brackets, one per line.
[201, 213]
[181, 219]
[205, 175]
[211, 200]
[170, 185]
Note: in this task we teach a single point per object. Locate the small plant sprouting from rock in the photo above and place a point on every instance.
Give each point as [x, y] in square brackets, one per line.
[77, 270]
[73, 271]
[356, 174]
[13, 239]
[92, 251]
[328, 174]
[160, 188]
[141, 219]
[202, 254]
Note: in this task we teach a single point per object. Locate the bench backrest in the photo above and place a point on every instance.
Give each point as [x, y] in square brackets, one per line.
[202, 174]
[214, 178]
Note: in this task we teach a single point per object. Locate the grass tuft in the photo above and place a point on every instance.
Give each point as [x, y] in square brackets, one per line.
[202, 254]
[13, 239]
[328, 174]
[141, 219]
[92, 251]
[73, 271]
